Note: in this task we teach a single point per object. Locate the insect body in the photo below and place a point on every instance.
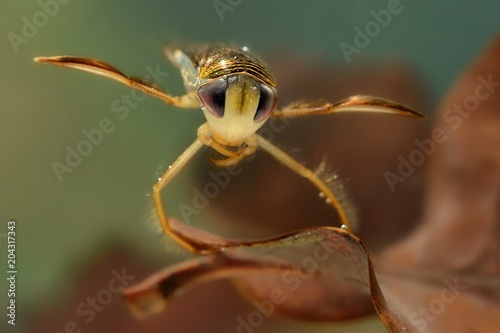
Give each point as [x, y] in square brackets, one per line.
[237, 94]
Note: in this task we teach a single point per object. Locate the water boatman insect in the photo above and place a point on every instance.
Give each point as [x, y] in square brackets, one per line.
[237, 94]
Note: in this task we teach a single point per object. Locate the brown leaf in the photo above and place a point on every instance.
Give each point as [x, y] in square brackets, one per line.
[445, 276]
[315, 274]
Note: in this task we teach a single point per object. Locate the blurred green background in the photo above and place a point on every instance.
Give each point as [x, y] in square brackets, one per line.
[62, 224]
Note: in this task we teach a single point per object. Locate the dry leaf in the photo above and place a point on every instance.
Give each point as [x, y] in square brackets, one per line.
[315, 274]
[445, 276]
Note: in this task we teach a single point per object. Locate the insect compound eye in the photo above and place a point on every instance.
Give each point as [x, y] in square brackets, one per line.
[213, 96]
[267, 103]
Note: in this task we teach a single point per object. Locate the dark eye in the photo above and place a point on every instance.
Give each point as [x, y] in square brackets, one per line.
[213, 96]
[267, 103]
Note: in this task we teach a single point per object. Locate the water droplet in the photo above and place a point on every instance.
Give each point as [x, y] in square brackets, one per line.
[159, 179]
[245, 48]
[170, 167]
[335, 176]
[328, 201]
[344, 227]
[321, 195]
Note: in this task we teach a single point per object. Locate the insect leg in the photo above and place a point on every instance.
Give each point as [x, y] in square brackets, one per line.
[167, 176]
[101, 68]
[308, 174]
[233, 155]
[249, 149]
[358, 104]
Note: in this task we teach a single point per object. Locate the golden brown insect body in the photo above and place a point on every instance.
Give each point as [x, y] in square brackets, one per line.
[237, 94]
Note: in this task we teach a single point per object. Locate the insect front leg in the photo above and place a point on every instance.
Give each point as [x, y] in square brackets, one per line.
[248, 150]
[234, 155]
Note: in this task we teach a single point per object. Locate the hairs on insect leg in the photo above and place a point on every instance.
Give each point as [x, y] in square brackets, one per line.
[338, 188]
[153, 224]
